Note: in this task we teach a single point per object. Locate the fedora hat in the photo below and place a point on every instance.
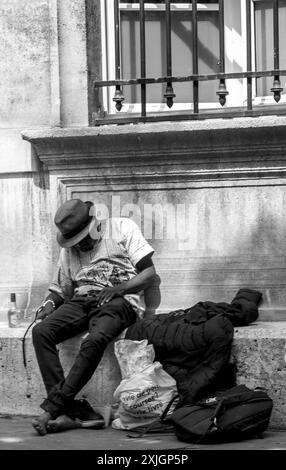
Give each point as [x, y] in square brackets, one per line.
[74, 222]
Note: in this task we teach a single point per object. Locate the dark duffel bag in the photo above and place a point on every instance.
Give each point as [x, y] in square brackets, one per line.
[235, 414]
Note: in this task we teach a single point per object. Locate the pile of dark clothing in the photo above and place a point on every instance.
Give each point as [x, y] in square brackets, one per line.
[194, 344]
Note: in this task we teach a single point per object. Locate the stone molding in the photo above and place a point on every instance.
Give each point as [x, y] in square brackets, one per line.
[199, 151]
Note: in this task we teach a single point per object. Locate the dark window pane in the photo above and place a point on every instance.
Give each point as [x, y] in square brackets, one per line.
[208, 49]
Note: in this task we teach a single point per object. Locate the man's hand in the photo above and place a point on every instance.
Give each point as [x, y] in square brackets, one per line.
[46, 309]
[108, 293]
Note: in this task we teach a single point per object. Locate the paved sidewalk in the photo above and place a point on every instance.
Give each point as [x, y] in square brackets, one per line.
[16, 433]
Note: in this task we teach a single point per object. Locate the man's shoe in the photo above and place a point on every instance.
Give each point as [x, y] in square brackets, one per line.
[84, 415]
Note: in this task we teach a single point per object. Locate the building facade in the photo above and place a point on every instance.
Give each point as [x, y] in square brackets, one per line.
[209, 194]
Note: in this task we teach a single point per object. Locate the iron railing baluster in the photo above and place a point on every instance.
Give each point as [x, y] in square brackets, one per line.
[276, 89]
[143, 57]
[249, 54]
[222, 92]
[195, 55]
[169, 93]
[118, 97]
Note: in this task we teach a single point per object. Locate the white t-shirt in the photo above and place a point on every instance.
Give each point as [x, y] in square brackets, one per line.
[111, 262]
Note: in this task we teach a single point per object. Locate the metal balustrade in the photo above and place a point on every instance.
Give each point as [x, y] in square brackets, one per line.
[221, 76]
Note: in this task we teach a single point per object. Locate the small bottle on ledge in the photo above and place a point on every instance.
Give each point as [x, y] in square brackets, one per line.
[15, 315]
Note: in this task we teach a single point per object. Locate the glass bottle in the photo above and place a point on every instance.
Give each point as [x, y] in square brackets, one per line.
[14, 313]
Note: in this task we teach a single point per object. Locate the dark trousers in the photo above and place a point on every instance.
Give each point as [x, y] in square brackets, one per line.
[104, 323]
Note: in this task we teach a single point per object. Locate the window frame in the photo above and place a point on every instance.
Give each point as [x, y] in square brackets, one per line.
[260, 100]
[237, 88]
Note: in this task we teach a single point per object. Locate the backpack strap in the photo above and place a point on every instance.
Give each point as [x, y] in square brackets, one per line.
[167, 409]
[160, 419]
[213, 421]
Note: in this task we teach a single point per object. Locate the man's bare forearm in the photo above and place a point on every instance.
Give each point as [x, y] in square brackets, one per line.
[139, 282]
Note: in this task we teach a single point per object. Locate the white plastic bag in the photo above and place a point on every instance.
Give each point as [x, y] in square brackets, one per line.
[145, 389]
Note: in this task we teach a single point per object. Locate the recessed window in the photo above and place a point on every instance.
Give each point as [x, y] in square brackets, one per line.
[182, 50]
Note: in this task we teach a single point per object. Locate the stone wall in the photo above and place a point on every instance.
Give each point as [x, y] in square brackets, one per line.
[234, 197]
[43, 68]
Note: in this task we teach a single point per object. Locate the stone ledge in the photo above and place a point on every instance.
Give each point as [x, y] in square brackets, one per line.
[154, 127]
[258, 352]
[205, 146]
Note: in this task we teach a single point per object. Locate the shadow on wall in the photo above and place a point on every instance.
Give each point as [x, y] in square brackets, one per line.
[40, 175]
[256, 260]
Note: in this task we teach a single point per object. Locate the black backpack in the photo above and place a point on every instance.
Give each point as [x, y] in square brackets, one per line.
[235, 414]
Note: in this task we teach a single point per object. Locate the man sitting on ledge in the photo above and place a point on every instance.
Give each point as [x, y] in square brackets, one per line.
[102, 271]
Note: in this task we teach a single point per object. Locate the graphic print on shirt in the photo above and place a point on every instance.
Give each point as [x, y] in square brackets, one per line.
[102, 274]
